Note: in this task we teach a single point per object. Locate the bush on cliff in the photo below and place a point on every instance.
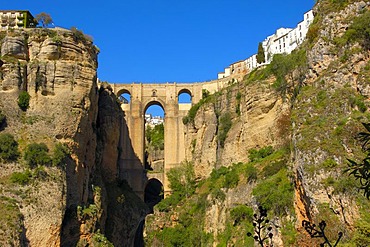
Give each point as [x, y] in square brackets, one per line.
[8, 148]
[37, 154]
[24, 100]
[275, 193]
[60, 153]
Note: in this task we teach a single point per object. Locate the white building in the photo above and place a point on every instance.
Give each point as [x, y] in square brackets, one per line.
[284, 40]
[16, 19]
[153, 120]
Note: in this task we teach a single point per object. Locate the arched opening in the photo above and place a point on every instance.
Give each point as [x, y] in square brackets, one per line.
[184, 97]
[153, 193]
[124, 97]
[154, 137]
[184, 100]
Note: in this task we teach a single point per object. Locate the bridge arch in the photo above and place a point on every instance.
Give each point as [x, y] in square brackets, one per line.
[152, 102]
[153, 193]
[124, 95]
[185, 91]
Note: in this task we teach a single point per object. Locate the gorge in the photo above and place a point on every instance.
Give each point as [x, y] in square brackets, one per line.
[278, 137]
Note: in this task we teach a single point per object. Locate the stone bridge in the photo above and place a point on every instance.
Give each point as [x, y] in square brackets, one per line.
[142, 96]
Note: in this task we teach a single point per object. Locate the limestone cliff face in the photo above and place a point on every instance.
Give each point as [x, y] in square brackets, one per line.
[60, 77]
[320, 121]
[335, 71]
[58, 70]
[255, 126]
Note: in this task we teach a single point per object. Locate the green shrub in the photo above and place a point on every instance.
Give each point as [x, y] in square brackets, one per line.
[155, 136]
[273, 168]
[37, 154]
[240, 213]
[224, 127]
[21, 178]
[358, 31]
[217, 173]
[283, 65]
[329, 164]
[59, 154]
[24, 100]
[182, 179]
[8, 148]
[275, 193]
[250, 172]
[231, 179]
[98, 239]
[256, 155]
[170, 201]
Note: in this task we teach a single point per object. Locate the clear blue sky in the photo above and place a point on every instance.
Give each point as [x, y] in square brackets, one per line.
[170, 41]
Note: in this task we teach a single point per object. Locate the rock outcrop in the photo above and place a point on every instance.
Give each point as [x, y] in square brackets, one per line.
[57, 68]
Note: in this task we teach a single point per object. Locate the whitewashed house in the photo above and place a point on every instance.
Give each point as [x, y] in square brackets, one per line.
[284, 40]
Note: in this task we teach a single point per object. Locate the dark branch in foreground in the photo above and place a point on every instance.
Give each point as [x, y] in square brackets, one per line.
[319, 232]
[262, 228]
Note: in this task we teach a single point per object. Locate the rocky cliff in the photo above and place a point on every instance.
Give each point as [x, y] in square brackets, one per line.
[308, 106]
[67, 203]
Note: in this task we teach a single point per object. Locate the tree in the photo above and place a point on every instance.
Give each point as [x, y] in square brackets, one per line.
[8, 148]
[24, 100]
[44, 18]
[261, 54]
[37, 154]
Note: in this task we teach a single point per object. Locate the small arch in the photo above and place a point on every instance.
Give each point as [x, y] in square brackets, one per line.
[156, 103]
[153, 193]
[124, 96]
[184, 96]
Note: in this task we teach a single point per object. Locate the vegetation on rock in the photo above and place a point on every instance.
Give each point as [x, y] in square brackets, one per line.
[155, 136]
[37, 154]
[24, 100]
[8, 148]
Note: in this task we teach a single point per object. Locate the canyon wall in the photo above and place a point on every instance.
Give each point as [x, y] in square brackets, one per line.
[67, 204]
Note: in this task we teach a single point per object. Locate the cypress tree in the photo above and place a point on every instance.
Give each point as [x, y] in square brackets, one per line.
[260, 54]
